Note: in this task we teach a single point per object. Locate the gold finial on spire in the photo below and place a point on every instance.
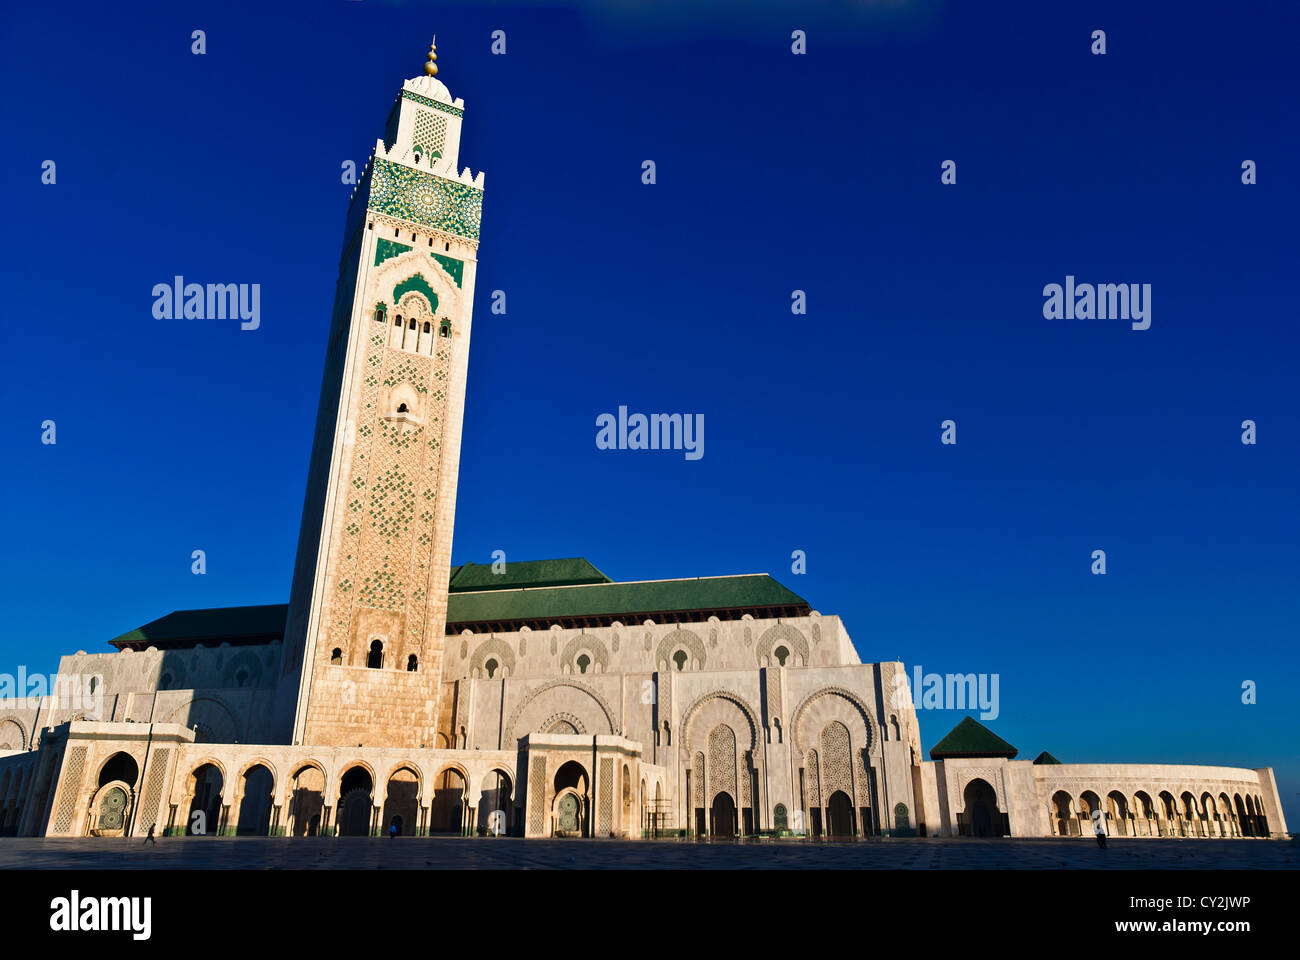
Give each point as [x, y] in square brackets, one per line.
[431, 68]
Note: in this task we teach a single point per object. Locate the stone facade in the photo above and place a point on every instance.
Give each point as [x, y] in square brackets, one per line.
[1027, 799]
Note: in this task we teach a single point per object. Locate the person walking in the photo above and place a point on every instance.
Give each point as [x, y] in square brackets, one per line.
[1099, 828]
[148, 837]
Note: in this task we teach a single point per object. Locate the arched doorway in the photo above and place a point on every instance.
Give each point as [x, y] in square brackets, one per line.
[722, 815]
[204, 817]
[1117, 813]
[120, 766]
[401, 804]
[981, 818]
[1089, 812]
[839, 815]
[307, 801]
[356, 803]
[494, 804]
[255, 804]
[1062, 815]
[446, 813]
[570, 808]
[1144, 811]
[112, 808]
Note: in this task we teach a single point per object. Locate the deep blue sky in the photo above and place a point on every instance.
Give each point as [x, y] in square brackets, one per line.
[775, 173]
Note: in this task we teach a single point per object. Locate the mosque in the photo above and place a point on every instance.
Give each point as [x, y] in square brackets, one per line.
[395, 692]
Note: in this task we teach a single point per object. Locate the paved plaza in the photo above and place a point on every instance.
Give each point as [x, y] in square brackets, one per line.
[358, 853]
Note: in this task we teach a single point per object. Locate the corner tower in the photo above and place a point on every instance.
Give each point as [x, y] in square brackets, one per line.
[367, 611]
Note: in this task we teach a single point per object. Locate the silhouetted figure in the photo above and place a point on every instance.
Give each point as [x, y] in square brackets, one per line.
[148, 837]
[392, 830]
[1099, 829]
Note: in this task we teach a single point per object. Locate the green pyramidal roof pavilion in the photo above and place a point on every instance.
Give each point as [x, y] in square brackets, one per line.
[1046, 757]
[970, 738]
[538, 593]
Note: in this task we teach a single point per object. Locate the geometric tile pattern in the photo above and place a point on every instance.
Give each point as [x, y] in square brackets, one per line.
[148, 812]
[722, 761]
[425, 198]
[388, 554]
[436, 104]
[430, 134]
[537, 793]
[837, 769]
[605, 822]
[71, 784]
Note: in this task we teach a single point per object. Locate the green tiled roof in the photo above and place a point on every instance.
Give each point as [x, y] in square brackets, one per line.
[1046, 757]
[216, 625]
[528, 573]
[539, 591]
[621, 599]
[970, 738]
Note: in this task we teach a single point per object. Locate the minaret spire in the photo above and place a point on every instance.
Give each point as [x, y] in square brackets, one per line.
[431, 68]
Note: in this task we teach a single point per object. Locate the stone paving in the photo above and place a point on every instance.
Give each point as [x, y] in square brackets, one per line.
[359, 853]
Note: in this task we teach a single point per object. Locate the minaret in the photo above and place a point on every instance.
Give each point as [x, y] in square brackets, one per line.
[367, 611]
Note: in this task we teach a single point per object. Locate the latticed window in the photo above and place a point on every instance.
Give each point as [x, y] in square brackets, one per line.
[444, 328]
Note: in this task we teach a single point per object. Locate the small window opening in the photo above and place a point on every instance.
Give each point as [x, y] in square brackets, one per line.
[336, 657]
[491, 667]
[376, 659]
[679, 658]
[411, 663]
[584, 661]
[781, 654]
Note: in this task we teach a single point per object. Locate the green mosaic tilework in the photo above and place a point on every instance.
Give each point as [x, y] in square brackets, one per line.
[392, 507]
[398, 438]
[455, 268]
[385, 249]
[419, 285]
[382, 591]
[427, 199]
[404, 370]
[436, 104]
[430, 134]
